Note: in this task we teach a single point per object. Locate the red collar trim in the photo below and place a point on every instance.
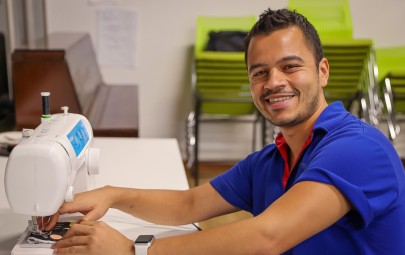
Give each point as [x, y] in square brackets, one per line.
[283, 149]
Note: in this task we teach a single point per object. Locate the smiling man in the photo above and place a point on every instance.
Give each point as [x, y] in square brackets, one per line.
[331, 184]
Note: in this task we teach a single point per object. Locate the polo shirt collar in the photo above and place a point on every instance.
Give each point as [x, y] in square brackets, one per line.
[331, 116]
[327, 120]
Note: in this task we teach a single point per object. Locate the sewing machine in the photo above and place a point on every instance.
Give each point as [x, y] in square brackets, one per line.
[49, 165]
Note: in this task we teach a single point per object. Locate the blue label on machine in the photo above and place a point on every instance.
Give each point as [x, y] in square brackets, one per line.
[78, 137]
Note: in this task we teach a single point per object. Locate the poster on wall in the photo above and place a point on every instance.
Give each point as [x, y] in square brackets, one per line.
[116, 36]
[100, 2]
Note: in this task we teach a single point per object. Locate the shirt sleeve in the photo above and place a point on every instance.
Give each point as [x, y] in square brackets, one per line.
[235, 185]
[364, 172]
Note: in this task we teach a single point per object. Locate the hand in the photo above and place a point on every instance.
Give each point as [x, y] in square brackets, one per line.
[93, 237]
[93, 204]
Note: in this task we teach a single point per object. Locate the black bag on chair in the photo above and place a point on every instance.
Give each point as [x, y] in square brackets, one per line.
[228, 41]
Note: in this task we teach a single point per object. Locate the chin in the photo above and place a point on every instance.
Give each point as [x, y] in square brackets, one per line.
[283, 122]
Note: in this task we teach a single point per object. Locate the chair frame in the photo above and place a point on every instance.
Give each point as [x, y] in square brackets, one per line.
[195, 118]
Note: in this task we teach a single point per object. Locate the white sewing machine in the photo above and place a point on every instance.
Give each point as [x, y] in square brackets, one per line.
[48, 166]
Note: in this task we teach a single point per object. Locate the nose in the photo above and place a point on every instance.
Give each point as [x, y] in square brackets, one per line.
[275, 80]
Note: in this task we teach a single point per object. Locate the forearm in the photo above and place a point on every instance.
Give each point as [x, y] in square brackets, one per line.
[306, 209]
[167, 207]
[170, 207]
[242, 237]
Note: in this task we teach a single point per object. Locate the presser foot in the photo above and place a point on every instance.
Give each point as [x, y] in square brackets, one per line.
[33, 226]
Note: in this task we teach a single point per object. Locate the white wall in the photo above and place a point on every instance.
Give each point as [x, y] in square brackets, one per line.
[165, 36]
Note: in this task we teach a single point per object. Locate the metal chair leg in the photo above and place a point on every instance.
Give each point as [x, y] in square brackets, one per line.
[196, 171]
[393, 126]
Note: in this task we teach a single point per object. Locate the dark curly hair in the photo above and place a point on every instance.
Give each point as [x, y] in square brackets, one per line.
[272, 20]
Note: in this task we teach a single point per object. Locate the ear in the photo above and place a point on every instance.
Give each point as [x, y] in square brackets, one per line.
[323, 72]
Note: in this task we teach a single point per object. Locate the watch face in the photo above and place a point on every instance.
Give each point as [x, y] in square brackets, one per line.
[144, 239]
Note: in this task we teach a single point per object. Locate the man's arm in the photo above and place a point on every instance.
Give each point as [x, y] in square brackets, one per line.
[167, 207]
[306, 209]
[172, 207]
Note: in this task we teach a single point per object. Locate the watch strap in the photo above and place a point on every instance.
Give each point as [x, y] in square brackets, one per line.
[141, 249]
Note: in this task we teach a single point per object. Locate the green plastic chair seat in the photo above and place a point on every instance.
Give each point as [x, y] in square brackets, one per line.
[227, 71]
[390, 59]
[225, 109]
[221, 64]
[219, 56]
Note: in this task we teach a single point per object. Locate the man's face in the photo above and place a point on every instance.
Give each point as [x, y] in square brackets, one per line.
[285, 83]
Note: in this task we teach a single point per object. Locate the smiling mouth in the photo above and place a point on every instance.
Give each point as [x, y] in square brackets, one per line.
[279, 99]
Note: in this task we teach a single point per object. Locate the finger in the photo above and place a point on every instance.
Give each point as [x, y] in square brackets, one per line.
[42, 221]
[51, 221]
[89, 223]
[73, 250]
[78, 229]
[73, 207]
[93, 215]
[71, 242]
[90, 214]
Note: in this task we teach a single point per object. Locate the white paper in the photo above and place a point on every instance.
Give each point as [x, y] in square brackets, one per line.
[117, 38]
[100, 2]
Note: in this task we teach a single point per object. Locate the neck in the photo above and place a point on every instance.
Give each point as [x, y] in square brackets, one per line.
[297, 135]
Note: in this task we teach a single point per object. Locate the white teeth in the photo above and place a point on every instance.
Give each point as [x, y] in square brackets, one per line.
[279, 99]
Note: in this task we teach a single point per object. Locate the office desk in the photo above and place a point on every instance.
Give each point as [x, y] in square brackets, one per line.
[126, 162]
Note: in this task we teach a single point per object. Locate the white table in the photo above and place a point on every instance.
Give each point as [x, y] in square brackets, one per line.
[125, 162]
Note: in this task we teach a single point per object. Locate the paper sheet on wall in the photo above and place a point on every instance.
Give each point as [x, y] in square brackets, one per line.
[117, 38]
[100, 2]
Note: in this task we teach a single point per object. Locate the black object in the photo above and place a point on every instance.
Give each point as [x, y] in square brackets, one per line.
[227, 41]
[3, 67]
[6, 106]
[46, 108]
[144, 239]
[5, 149]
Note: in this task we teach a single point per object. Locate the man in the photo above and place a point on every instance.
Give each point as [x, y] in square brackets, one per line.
[331, 184]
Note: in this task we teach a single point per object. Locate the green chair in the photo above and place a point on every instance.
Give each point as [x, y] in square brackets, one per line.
[332, 19]
[352, 77]
[391, 76]
[220, 84]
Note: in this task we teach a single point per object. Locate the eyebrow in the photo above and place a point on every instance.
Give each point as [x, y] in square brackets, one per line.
[281, 60]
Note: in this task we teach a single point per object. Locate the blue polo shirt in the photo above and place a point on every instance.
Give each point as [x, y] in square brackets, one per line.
[342, 151]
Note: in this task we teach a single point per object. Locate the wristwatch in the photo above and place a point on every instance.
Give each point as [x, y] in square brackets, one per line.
[142, 244]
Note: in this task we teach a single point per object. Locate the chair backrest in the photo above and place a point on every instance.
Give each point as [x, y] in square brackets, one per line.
[352, 75]
[207, 24]
[221, 80]
[332, 19]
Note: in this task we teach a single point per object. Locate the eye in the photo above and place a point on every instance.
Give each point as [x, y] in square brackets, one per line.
[259, 74]
[291, 67]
